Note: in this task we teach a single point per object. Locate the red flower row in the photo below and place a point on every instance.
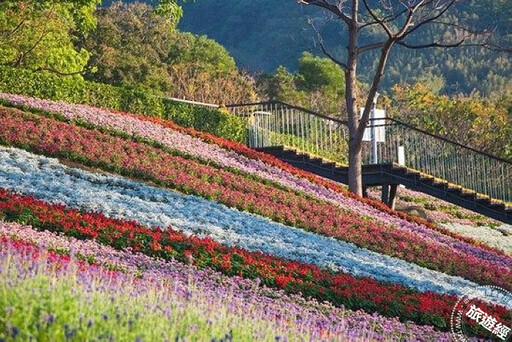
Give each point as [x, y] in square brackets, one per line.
[271, 160]
[94, 148]
[295, 277]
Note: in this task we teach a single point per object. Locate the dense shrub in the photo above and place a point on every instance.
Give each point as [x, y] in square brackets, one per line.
[76, 90]
[475, 121]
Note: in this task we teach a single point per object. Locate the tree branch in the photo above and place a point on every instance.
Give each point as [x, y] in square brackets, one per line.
[13, 31]
[23, 54]
[324, 49]
[373, 89]
[332, 8]
[464, 28]
[60, 73]
[408, 21]
[369, 47]
[379, 21]
[386, 20]
[497, 48]
[431, 19]
[436, 45]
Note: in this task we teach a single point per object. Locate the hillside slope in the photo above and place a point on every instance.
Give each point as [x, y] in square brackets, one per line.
[145, 185]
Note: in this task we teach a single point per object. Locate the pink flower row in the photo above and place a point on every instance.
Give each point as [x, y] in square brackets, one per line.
[139, 160]
[144, 128]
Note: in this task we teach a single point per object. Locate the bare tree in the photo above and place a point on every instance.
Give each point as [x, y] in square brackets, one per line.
[405, 23]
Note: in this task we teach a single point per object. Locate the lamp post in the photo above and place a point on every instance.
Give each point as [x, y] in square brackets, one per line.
[374, 130]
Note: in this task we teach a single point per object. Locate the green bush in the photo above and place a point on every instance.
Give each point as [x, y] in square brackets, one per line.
[74, 89]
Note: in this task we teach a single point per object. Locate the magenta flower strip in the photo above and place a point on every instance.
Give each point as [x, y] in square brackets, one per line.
[194, 146]
[319, 320]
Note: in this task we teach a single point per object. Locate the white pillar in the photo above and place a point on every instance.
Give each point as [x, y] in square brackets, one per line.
[375, 158]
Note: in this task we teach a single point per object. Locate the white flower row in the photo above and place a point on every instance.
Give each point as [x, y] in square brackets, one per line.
[47, 179]
[195, 146]
[498, 237]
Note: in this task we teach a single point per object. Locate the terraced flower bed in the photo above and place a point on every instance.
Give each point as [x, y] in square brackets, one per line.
[294, 277]
[209, 238]
[91, 147]
[229, 154]
[198, 303]
[158, 208]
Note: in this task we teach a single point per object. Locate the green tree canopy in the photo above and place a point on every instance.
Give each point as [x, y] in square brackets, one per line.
[320, 74]
[318, 84]
[130, 46]
[281, 86]
[137, 47]
[483, 123]
[206, 54]
[41, 34]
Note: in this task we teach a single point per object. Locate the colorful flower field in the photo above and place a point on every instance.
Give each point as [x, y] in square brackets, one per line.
[197, 303]
[133, 228]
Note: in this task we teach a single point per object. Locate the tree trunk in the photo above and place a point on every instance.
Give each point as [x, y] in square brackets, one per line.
[356, 126]
[355, 174]
[355, 181]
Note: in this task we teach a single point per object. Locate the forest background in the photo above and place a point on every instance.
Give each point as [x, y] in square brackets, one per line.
[244, 50]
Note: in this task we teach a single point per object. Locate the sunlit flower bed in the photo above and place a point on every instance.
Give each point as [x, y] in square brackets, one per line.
[496, 236]
[136, 159]
[392, 300]
[229, 154]
[116, 197]
[196, 303]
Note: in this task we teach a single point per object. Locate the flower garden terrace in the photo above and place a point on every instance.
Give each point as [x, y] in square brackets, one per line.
[400, 154]
[135, 184]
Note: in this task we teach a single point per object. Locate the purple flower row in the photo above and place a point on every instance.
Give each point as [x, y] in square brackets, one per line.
[320, 320]
[194, 146]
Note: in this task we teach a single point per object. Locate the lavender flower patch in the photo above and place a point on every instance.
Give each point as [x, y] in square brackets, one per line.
[287, 315]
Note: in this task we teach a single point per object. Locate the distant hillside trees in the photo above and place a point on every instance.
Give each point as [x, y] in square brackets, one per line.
[134, 46]
[262, 35]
